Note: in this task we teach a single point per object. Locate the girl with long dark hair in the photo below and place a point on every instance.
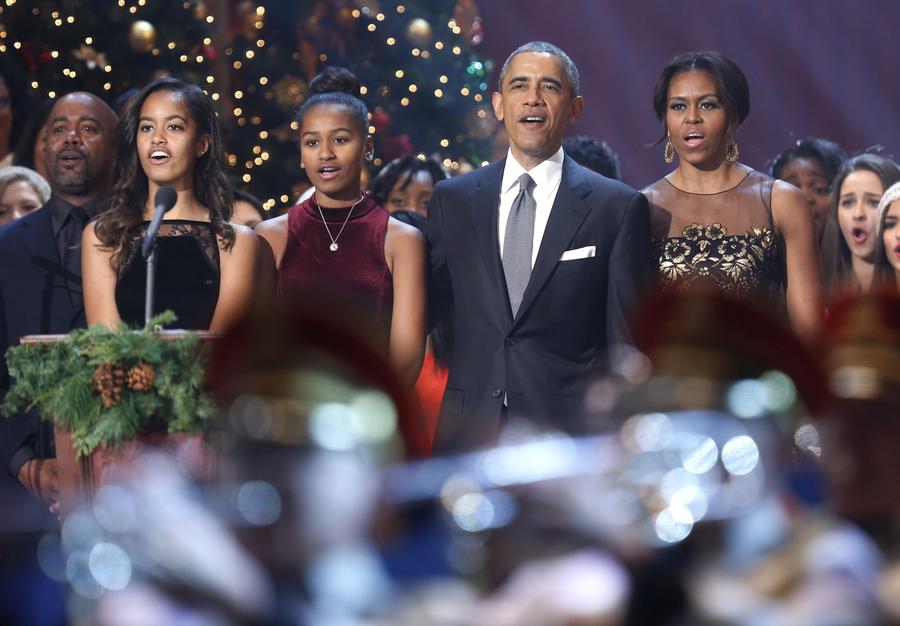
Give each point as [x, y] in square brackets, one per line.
[169, 135]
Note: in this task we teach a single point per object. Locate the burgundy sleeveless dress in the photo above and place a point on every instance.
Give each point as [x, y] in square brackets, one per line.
[354, 275]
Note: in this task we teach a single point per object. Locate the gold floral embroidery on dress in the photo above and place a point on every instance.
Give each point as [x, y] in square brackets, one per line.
[738, 265]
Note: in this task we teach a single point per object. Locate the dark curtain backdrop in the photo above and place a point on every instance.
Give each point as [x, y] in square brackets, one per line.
[815, 67]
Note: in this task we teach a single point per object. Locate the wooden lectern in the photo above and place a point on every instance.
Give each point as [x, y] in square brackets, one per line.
[79, 478]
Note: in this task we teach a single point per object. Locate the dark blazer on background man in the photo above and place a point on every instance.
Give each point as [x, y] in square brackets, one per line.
[38, 295]
[573, 310]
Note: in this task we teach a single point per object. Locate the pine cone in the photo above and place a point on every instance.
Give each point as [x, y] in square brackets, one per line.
[107, 376]
[141, 377]
[110, 397]
[108, 381]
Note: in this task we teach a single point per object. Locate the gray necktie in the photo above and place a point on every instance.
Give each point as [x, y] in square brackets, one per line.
[517, 242]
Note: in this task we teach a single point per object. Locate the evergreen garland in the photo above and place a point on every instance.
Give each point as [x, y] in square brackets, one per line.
[58, 380]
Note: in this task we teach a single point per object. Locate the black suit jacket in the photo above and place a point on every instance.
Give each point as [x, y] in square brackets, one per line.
[571, 314]
[37, 296]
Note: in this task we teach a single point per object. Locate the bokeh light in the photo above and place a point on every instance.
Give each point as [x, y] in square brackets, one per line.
[258, 503]
[740, 455]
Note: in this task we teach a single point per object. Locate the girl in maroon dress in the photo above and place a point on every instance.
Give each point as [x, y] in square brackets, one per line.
[340, 246]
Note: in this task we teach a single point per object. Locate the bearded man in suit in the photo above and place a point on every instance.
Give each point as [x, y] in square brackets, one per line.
[40, 270]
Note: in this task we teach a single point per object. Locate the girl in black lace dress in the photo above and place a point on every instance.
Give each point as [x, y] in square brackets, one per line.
[169, 135]
[717, 223]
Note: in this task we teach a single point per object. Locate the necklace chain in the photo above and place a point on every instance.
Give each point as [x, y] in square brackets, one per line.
[334, 240]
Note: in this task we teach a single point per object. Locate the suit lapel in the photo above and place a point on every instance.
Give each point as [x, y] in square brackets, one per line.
[36, 236]
[61, 302]
[484, 204]
[566, 216]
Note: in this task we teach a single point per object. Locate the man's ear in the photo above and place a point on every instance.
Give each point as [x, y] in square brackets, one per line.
[577, 108]
[497, 103]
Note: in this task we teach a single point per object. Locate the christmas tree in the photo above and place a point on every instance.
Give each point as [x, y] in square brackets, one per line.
[73, 44]
[425, 85]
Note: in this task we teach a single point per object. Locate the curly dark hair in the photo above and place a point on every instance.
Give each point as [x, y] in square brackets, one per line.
[123, 216]
[831, 156]
[405, 167]
[593, 154]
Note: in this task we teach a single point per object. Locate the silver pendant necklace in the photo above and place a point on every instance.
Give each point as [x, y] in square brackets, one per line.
[334, 240]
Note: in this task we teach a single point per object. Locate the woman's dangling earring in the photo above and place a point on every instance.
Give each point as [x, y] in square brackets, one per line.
[369, 156]
[731, 151]
[669, 153]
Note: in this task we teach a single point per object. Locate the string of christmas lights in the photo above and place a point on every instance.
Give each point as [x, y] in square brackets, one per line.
[425, 85]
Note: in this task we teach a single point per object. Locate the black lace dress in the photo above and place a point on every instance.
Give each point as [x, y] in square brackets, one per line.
[187, 275]
[724, 241]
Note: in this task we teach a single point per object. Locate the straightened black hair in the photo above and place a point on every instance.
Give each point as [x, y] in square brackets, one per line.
[731, 84]
[337, 86]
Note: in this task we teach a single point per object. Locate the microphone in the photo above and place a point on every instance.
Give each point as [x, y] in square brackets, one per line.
[164, 199]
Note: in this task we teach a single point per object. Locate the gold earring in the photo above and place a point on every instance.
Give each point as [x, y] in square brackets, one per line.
[669, 153]
[731, 151]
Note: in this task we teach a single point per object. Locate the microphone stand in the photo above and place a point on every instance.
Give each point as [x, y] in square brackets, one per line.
[151, 284]
[164, 200]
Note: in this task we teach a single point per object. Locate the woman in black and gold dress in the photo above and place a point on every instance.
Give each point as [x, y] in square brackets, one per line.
[717, 223]
[169, 135]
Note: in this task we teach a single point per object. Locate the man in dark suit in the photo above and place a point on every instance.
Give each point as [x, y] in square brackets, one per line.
[40, 269]
[537, 258]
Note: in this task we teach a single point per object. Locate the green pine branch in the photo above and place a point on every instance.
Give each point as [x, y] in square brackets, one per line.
[58, 380]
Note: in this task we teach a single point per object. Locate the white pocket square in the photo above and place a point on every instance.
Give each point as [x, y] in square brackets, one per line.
[579, 253]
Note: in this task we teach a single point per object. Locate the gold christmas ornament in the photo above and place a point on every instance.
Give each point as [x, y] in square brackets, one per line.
[419, 32]
[142, 36]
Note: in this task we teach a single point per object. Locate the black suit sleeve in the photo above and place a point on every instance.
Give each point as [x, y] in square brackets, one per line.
[629, 266]
[440, 292]
[18, 433]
